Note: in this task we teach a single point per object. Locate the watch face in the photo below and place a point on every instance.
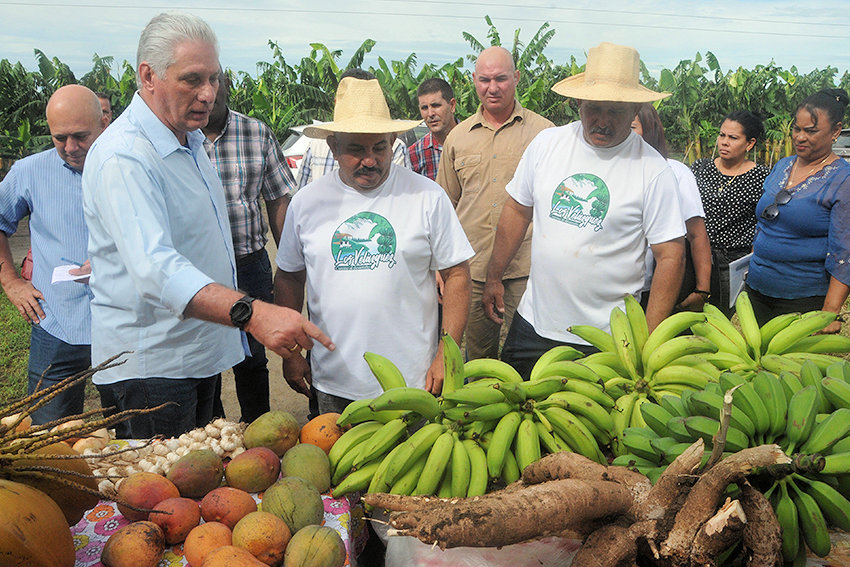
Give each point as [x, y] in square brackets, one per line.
[240, 313]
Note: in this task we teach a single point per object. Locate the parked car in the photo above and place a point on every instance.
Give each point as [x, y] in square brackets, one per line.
[294, 147]
[841, 146]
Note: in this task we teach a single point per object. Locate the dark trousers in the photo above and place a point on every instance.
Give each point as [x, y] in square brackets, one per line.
[523, 346]
[193, 405]
[766, 307]
[52, 360]
[254, 277]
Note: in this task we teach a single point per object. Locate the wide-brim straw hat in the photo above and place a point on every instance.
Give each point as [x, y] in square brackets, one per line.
[360, 108]
[611, 74]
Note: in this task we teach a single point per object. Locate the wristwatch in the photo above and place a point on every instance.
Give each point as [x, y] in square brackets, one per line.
[705, 295]
[241, 311]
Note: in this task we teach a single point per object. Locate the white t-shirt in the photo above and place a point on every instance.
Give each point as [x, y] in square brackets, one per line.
[595, 212]
[689, 201]
[370, 258]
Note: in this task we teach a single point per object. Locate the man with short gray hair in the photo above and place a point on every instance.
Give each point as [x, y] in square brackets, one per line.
[163, 269]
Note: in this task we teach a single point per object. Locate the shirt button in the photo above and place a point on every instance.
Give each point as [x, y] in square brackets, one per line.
[494, 180]
[494, 156]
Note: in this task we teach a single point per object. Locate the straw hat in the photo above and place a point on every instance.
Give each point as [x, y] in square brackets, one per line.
[360, 108]
[611, 74]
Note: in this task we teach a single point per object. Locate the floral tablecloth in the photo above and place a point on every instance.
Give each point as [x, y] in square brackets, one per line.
[345, 515]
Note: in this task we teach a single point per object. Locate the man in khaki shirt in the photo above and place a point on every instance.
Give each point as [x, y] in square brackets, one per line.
[479, 157]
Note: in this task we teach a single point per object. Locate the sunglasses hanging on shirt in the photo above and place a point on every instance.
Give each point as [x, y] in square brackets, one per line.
[772, 211]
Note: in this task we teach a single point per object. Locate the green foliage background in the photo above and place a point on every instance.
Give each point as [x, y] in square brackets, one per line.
[284, 93]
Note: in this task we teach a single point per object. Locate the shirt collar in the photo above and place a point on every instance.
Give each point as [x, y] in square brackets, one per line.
[65, 164]
[161, 137]
[481, 121]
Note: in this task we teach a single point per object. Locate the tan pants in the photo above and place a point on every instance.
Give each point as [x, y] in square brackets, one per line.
[483, 335]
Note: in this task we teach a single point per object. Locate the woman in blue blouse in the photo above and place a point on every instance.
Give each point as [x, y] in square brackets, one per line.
[801, 252]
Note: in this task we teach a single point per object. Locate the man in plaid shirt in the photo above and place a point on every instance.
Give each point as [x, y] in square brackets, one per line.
[437, 107]
[250, 164]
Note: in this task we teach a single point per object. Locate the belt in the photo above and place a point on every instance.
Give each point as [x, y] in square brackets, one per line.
[251, 258]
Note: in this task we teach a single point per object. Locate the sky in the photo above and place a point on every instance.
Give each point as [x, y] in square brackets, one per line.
[739, 33]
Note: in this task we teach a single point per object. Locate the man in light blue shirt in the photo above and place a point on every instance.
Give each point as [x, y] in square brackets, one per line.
[163, 269]
[47, 187]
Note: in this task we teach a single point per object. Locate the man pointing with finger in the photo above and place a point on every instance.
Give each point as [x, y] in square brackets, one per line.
[163, 268]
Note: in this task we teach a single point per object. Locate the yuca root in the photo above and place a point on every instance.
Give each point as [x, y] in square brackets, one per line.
[706, 495]
[718, 533]
[496, 519]
[762, 535]
[609, 546]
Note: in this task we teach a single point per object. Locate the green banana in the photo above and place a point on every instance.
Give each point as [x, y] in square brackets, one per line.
[601, 436]
[406, 483]
[460, 468]
[811, 375]
[717, 337]
[656, 417]
[836, 371]
[489, 412]
[355, 412]
[748, 401]
[379, 480]
[670, 327]
[828, 432]
[802, 409]
[490, 368]
[803, 327]
[677, 430]
[500, 443]
[812, 522]
[711, 405]
[419, 443]
[569, 369]
[514, 393]
[823, 361]
[593, 336]
[707, 428]
[718, 319]
[346, 463]
[640, 445]
[476, 429]
[554, 354]
[475, 396]
[609, 359]
[352, 437]
[547, 440]
[621, 416]
[435, 466]
[777, 363]
[574, 432]
[749, 326]
[444, 490]
[674, 348]
[773, 326]
[840, 446]
[592, 391]
[665, 446]
[726, 360]
[676, 374]
[478, 476]
[511, 471]
[786, 514]
[604, 372]
[381, 441]
[674, 406]
[527, 443]
[632, 461]
[452, 364]
[581, 405]
[624, 342]
[700, 363]
[636, 419]
[638, 325]
[357, 480]
[834, 505]
[771, 392]
[836, 391]
[837, 464]
[821, 344]
[387, 373]
[790, 384]
[542, 389]
[408, 399]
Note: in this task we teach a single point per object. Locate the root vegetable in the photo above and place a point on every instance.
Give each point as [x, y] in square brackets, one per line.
[718, 533]
[762, 534]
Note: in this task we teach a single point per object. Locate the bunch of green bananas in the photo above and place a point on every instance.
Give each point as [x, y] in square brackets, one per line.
[486, 427]
[810, 421]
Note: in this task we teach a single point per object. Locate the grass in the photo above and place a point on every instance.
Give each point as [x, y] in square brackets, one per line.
[14, 351]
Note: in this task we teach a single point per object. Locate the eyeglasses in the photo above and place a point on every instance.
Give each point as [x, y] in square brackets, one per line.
[772, 211]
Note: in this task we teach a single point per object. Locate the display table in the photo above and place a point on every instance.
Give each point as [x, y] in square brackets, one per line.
[345, 515]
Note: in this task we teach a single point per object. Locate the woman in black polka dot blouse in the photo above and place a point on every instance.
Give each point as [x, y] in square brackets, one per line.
[730, 186]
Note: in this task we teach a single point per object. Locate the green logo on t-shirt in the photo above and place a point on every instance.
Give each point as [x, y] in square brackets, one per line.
[581, 199]
[363, 242]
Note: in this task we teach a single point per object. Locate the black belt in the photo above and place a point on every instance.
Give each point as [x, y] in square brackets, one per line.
[251, 258]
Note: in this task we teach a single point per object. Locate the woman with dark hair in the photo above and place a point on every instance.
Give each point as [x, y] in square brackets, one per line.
[697, 278]
[730, 185]
[801, 252]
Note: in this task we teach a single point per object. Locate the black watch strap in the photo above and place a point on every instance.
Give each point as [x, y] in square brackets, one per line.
[241, 311]
[703, 293]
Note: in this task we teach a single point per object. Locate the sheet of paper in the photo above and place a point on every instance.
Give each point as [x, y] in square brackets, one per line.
[61, 274]
[737, 275]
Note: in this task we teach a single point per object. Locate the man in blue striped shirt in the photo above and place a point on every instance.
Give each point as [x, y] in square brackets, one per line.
[47, 187]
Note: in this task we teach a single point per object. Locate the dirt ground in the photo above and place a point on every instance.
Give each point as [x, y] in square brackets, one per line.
[282, 397]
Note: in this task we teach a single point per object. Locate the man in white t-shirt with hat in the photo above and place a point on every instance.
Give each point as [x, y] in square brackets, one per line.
[597, 194]
[367, 240]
